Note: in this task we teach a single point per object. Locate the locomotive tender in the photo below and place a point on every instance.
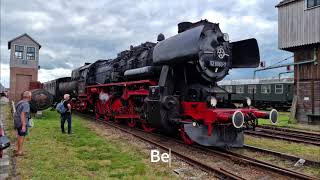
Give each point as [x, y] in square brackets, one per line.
[171, 86]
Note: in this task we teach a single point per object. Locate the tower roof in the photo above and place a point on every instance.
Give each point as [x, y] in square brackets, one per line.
[25, 34]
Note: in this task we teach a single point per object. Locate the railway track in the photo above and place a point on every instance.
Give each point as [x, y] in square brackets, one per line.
[313, 134]
[286, 134]
[219, 172]
[307, 162]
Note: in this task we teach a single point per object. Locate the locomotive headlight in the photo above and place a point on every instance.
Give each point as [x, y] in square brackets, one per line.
[194, 124]
[213, 101]
[153, 90]
[248, 101]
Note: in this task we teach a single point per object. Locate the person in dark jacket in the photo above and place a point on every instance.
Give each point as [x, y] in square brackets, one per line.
[67, 115]
[21, 117]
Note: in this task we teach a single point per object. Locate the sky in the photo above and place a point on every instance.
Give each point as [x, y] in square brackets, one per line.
[72, 32]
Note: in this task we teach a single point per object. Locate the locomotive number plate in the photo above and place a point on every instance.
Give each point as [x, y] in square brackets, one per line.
[218, 64]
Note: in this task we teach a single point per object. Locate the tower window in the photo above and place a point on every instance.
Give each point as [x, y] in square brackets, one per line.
[31, 53]
[313, 3]
[19, 52]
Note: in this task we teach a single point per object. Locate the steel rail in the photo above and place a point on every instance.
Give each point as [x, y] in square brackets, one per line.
[290, 134]
[283, 155]
[282, 137]
[219, 172]
[227, 154]
[309, 133]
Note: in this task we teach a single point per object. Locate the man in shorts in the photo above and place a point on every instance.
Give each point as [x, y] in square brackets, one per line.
[21, 117]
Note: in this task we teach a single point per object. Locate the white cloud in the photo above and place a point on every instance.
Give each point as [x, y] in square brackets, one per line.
[78, 20]
[45, 75]
[37, 21]
[5, 74]
[73, 32]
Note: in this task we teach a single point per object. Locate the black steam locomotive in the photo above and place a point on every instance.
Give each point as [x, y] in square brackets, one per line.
[171, 86]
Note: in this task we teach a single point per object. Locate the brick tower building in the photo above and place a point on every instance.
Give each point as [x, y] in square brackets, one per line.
[24, 63]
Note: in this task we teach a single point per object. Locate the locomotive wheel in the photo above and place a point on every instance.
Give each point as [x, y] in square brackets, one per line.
[106, 117]
[132, 123]
[118, 121]
[184, 136]
[97, 110]
[97, 114]
[147, 128]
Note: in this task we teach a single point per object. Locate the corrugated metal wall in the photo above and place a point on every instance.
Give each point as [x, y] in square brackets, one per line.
[297, 25]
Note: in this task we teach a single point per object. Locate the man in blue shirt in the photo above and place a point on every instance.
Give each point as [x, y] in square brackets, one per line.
[67, 115]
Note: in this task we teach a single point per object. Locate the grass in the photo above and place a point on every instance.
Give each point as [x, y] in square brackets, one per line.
[301, 150]
[275, 160]
[283, 121]
[310, 152]
[81, 155]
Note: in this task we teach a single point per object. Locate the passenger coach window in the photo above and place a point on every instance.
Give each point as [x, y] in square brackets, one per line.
[265, 89]
[239, 89]
[278, 89]
[252, 89]
[228, 89]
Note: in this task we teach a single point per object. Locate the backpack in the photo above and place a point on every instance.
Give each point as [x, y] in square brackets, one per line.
[60, 107]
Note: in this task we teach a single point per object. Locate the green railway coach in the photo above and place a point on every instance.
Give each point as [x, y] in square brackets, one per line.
[264, 93]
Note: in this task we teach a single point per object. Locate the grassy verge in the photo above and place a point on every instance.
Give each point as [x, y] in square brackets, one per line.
[310, 152]
[283, 121]
[301, 150]
[82, 155]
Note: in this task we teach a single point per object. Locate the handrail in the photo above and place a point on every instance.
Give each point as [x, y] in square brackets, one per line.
[284, 65]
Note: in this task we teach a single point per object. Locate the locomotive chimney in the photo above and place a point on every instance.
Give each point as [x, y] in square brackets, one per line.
[184, 26]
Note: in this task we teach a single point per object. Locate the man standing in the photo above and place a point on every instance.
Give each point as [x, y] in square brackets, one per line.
[21, 117]
[66, 115]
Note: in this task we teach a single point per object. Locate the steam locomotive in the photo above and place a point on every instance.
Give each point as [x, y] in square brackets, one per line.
[171, 86]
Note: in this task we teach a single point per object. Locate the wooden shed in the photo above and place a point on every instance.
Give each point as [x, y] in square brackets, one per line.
[299, 33]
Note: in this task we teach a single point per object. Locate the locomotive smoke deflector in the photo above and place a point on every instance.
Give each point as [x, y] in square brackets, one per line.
[245, 54]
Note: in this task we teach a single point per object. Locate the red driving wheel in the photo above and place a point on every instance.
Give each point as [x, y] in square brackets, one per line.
[106, 117]
[186, 139]
[96, 110]
[131, 123]
[147, 128]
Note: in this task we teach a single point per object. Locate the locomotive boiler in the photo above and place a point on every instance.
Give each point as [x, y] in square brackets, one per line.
[172, 86]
